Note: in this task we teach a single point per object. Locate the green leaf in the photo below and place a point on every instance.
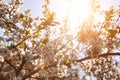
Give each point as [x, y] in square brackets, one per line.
[111, 10]
[36, 35]
[23, 44]
[45, 40]
[22, 17]
[26, 33]
[49, 18]
[68, 63]
[48, 15]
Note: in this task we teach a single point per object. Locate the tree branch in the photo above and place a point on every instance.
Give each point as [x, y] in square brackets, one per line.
[80, 60]
[36, 47]
[8, 62]
[31, 73]
[101, 55]
[35, 71]
[26, 38]
[24, 60]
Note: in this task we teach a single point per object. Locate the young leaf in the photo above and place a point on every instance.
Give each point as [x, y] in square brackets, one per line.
[23, 44]
[68, 63]
[37, 34]
[26, 33]
[45, 40]
[42, 67]
[112, 33]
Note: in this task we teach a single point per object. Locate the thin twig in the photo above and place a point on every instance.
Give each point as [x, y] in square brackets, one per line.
[24, 60]
[7, 61]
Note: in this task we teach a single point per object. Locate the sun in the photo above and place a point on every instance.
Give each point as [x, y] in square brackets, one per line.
[77, 11]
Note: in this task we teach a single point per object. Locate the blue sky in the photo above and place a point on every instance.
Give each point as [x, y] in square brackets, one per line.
[34, 5]
[105, 4]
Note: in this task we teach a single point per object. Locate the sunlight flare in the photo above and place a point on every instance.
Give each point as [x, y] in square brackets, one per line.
[79, 11]
[76, 11]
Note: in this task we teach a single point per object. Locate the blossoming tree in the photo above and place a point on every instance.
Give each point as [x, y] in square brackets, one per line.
[43, 48]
